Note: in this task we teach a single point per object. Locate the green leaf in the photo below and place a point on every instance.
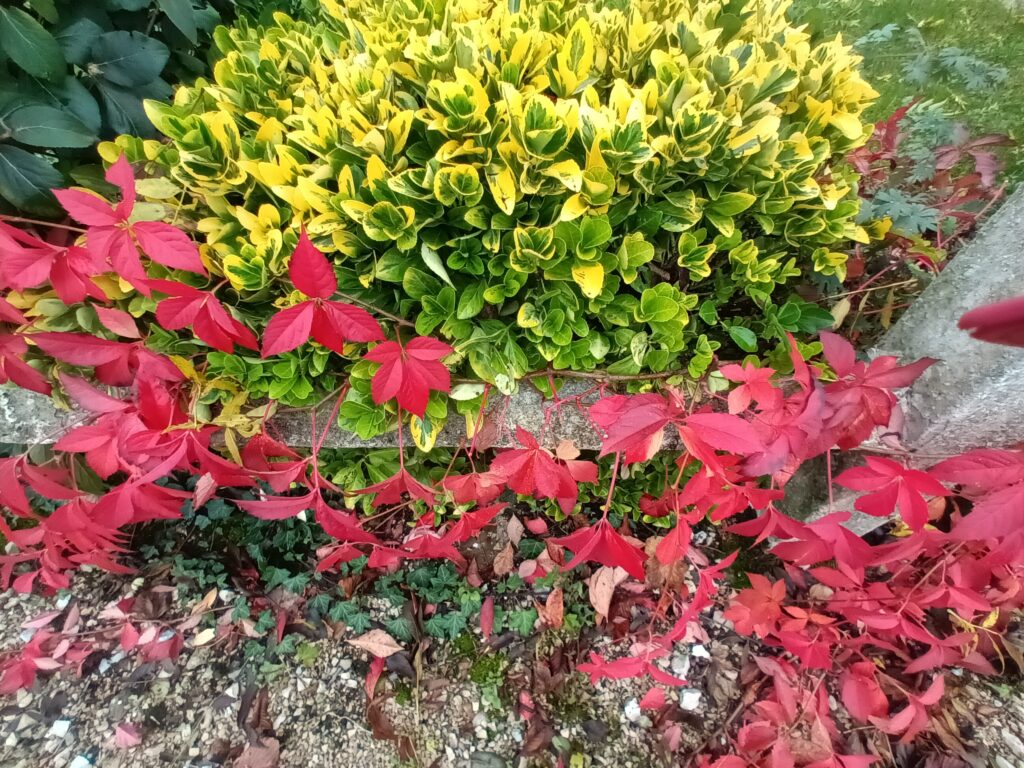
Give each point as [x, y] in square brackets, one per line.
[744, 338]
[814, 318]
[708, 312]
[182, 15]
[43, 126]
[26, 180]
[595, 231]
[126, 5]
[732, 203]
[74, 98]
[418, 284]
[471, 302]
[129, 58]
[123, 112]
[76, 34]
[27, 43]
[46, 9]
[434, 264]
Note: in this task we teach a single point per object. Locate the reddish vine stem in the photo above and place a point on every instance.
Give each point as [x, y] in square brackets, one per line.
[378, 310]
[593, 375]
[39, 222]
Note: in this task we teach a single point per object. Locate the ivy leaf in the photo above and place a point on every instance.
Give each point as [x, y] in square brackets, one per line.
[634, 426]
[29, 45]
[202, 310]
[409, 374]
[890, 485]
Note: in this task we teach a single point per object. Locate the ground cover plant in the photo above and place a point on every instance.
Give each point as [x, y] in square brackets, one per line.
[962, 55]
[389, 212]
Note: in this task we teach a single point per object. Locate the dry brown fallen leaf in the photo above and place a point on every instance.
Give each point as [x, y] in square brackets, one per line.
[602, 587]
[515, 529]
[553, 611]
[266, 754]
[377, 642]
[503, 561]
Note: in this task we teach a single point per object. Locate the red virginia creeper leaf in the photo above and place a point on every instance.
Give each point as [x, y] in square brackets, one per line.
[409, 374]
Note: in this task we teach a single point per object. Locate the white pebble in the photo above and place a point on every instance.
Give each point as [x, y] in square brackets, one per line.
[632, 710]
[689, 699]
[60, 728]
[700, 652]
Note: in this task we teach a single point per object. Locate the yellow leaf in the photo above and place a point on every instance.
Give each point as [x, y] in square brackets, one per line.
[503, 189]
[567, 172]
[204, 637]
[424, 439]
[840, 311]
[184, 365]
[848, 125]
[590, 279]
[232, 445]
[398, 131]
[575, 60]
[573, 208]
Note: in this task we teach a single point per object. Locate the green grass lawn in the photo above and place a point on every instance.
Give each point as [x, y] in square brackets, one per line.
[985, 30]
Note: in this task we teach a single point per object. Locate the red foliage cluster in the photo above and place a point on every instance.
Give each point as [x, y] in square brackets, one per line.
[933, 598]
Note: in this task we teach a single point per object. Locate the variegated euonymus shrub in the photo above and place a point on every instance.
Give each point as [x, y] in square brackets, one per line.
[596, 185]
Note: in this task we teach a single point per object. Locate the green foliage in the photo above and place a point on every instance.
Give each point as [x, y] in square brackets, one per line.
[73, 72]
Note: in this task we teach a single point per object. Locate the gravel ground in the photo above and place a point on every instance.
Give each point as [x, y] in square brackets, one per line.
[188, 712]
[317, 715]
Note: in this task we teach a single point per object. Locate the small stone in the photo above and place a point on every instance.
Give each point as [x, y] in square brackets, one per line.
[689, 699]
[479, 720]
[60, 728]
[681, 665]
[632, 711]
[1014, 743]
[345, 664]
[480, 733]
[12, 740]
[80, 761]
[1002, 762]
[486, 760]
[595, 730]
[700, 652]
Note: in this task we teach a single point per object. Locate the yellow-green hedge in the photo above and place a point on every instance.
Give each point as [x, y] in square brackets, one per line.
[582, 184]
